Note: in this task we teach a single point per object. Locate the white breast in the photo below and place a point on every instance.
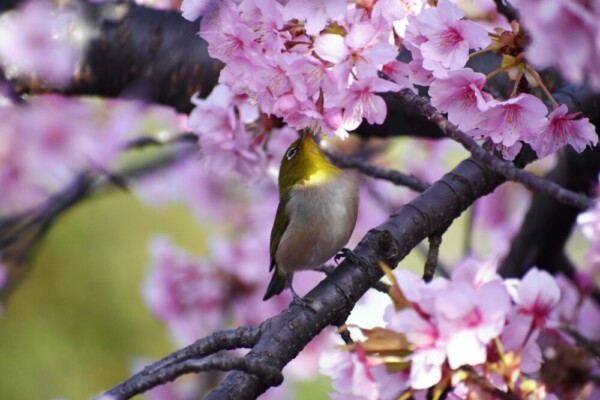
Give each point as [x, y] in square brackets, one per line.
[322, 217]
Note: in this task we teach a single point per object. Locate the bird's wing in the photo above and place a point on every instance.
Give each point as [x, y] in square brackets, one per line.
[279, 226]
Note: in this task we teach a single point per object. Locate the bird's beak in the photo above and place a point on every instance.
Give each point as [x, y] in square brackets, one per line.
[303, 135]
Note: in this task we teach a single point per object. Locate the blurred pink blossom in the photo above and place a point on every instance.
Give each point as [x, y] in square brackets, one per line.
[350, 372]
[564, 34]
[185, 292]
[475, 272]
[498, 216]
[226, 145]
[589, 223]
[520, 336]
[35, 39]
[42, 152]
[577, 309]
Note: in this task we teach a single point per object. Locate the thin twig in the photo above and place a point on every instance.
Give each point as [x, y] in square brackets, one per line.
[170, 367]
[432, 257]
[504, 168]
[441, 269]
[396, 177]
[592, 347]
[382, 287]
[346, 336]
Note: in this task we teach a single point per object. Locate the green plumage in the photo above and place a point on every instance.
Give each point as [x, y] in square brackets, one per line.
[277, 284]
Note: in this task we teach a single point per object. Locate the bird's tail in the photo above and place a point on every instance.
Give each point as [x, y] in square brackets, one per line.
[276, 285]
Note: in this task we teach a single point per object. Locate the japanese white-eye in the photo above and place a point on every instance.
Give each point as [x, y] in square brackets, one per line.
[318, 204]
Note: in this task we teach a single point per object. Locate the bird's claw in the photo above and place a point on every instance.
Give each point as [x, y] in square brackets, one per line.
[346, 253]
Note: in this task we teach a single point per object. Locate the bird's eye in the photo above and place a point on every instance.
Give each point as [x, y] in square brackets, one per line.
[291, 153]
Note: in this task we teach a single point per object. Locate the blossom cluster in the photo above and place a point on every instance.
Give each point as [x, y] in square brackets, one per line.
[439, 40]
[323, 72]
[448, 333]
[322, 63]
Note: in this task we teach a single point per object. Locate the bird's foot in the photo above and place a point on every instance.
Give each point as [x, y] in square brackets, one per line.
[348, 254]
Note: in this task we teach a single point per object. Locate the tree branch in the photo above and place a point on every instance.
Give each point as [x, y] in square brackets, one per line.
[396, 177]
[178, 363]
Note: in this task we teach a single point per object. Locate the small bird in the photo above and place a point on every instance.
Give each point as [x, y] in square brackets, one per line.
[318, 204]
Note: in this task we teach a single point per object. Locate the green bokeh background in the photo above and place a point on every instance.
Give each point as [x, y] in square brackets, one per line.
[75, 324]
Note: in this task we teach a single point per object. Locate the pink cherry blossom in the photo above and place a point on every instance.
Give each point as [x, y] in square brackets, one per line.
[305, 77]
[461, 95]
[391, 11]
[448, 36]
[475, 272]
[429, 349]
[471, 318]
[519, 118]
[564, 129]
[227, 34]
[398, 72]
[577, 309]
[417, 74]
[367, 51]
[362, 49]
[536, 295]
[331, 47]
[362, 102]
[520, 336]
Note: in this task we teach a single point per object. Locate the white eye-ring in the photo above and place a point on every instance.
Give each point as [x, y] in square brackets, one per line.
[291, 153]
